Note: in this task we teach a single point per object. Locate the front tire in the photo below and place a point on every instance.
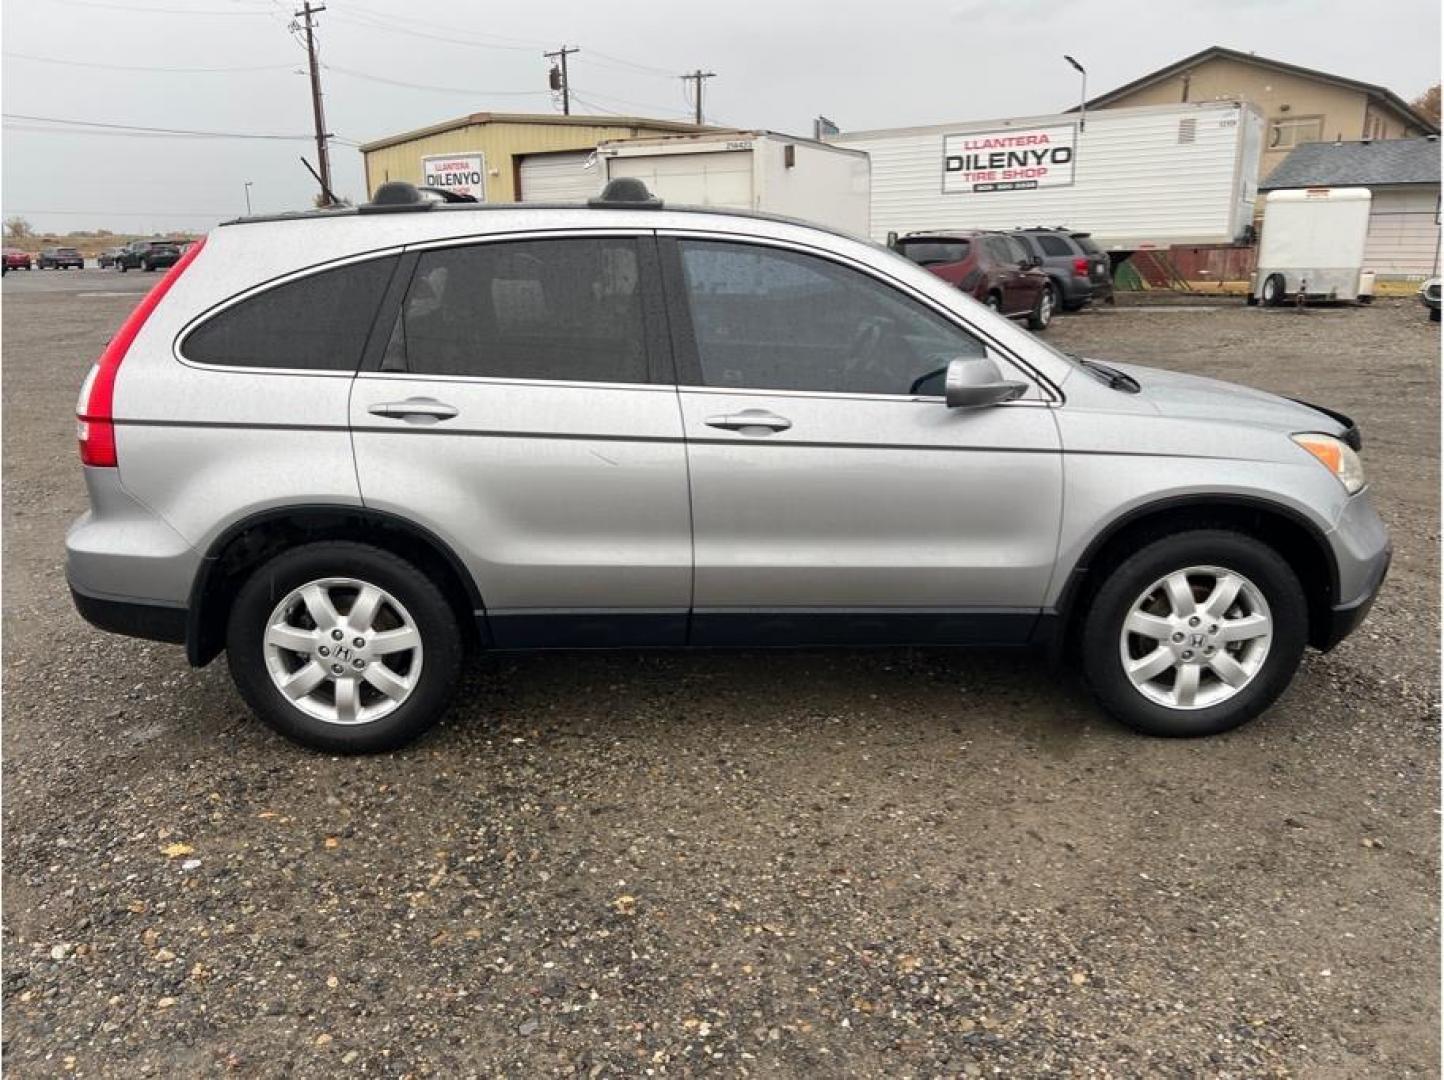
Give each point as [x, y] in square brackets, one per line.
[1195, 634]
[344, 648]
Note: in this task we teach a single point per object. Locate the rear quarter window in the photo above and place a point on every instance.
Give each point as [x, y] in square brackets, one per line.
[319, 322]
[1054, 245]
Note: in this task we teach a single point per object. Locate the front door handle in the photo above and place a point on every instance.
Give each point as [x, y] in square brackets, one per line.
[416, 408]
[749, 418]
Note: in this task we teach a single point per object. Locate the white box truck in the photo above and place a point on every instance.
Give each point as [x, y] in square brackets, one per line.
[1312, 246]
[749, 170]
[1138, 178]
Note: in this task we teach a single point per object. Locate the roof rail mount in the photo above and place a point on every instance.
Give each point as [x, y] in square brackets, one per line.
[397, 195]
[628, 193]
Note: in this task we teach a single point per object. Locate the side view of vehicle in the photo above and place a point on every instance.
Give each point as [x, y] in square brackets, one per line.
[347, 447]
[993, 268]
[60, 258]
[15, 259]
[148, 255]
[1077, 267]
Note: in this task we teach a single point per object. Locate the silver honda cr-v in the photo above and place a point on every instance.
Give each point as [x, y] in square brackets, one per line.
[345, 446]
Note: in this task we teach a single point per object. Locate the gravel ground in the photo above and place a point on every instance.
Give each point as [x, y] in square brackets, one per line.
[897, 864]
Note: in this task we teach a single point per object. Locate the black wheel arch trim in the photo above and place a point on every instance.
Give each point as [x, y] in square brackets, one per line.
[204, 642]
[1057, 619]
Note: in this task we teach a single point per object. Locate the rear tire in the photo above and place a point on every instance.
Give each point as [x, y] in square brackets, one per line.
[272, 638]
[1253, 642]
[1273, 291]
[994, 302]
[1434, 314]
[1043, 308]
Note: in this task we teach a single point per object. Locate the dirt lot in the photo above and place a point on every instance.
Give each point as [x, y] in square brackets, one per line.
[888, 864]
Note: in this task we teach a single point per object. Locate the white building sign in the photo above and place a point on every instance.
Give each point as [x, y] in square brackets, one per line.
[1012, 159]
[462, 173]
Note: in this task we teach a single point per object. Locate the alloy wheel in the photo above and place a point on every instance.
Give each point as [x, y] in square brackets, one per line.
[343, 651]
[1196, 637]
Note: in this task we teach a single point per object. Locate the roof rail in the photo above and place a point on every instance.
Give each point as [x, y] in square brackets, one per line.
[628, 193]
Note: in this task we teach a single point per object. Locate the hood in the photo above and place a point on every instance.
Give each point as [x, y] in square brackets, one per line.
[1195, 397]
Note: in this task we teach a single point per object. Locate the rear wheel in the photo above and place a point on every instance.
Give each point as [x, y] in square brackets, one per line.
[344, 648]
[1434, 314]
[1042, 313]
[1273, 290]
[1195, 634]
[994, 301]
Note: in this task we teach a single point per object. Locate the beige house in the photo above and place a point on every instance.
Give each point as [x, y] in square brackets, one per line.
[1300, 105]
[508, 157]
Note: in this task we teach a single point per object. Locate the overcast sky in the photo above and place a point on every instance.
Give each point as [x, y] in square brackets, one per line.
[779, 63]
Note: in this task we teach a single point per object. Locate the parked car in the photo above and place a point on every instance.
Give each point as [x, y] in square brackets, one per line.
[1077, 267]
[15, 259]
[357, 443]
[148, 255]
[1429, 297]
[61, 258]
[109, 257]
[991, 267]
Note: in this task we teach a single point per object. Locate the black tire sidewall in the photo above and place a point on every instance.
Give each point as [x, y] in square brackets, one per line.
[1277, 296]
[1253, 559]
[440, 635]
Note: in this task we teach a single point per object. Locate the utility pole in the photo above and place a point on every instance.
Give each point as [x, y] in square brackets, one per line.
[558, 79]
[323, 153]
[696, 79]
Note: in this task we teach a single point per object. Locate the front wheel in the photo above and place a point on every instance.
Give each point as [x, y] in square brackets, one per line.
[1195, 634]
[1042, 313]
[121, 267]
[344, 648]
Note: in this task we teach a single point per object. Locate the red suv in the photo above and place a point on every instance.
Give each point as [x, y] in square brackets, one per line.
[991, 267]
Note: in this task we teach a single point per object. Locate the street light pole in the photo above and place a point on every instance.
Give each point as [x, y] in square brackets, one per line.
[248, 198]
[1083, 94]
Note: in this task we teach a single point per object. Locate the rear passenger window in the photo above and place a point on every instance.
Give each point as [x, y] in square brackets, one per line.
[567, 310]
[1053, 245]
[315, 323]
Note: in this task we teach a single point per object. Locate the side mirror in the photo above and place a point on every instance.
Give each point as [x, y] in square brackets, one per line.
[975, 382]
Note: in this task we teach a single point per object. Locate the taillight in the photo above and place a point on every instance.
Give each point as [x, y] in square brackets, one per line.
[1080, 267]
[95, 411]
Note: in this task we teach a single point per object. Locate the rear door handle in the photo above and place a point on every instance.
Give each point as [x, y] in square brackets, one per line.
[416, 408]
[749, 418]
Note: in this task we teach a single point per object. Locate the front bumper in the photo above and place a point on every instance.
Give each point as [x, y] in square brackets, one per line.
[1344, 619]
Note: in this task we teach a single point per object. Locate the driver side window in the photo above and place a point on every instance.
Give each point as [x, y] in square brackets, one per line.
[770, 319]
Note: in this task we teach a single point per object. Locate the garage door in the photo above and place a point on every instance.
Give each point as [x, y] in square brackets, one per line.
[559, 177]
[714, 179]
[1404, 233]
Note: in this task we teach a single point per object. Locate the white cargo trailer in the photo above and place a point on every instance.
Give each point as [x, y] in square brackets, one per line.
[1312, 247]
[749, 170]
[1139, 178]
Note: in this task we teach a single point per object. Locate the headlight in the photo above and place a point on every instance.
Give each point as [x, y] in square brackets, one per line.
[1336, 456]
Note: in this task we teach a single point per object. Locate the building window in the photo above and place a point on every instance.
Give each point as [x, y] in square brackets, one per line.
[1285, 134]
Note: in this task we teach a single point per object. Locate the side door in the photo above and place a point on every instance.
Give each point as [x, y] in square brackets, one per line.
[1025, 283]
[835, 497]
[517, 401]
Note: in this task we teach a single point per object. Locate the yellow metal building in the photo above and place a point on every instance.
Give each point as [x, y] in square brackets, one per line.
[518, 157]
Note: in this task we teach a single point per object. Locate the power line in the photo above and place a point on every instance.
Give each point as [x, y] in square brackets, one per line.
[410, 31]
[159, 10]
[440, 89]
[141, 129]
[127, 67]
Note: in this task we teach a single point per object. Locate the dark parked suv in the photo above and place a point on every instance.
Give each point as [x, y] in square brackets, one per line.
[148, 255]
[1077, 267]
[60, 258]
[993, 268]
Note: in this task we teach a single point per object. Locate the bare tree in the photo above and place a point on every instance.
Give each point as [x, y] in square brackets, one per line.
[18, 228]
[1428, 103]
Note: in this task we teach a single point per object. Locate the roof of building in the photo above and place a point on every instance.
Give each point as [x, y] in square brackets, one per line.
[534, 118]
[1370, 163]
[1381, 93]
